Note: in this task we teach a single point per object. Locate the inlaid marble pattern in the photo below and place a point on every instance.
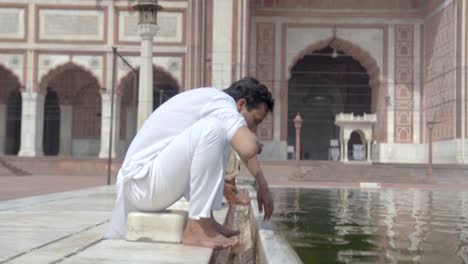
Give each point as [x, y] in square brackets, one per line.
[265, 70]
[404, 83]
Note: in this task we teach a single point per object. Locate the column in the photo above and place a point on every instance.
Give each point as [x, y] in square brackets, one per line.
[145, 87]
[32, 124]
[222, 43]
[341, 150]
[3, 127]
[66, 120]
[345, 150]
[369, 150]
[106, 125]
[391, 85]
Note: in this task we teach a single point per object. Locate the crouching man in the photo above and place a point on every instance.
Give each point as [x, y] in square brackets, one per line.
[181, 151]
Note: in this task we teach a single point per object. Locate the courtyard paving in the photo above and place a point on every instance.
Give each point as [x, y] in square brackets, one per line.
[67, 228]
[61, 218]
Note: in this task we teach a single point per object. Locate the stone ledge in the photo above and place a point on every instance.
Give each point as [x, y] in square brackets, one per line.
[271, 247]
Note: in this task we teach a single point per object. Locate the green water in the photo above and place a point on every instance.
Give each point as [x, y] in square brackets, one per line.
[374, 226]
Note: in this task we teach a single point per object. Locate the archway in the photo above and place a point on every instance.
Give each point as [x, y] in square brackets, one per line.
[13, 127]
[323, 83]
[357, 146]
[10, 111]
[72, 109]
[51, 139]
[165, 86]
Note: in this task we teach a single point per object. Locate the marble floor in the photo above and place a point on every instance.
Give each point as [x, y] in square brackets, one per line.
[67, 228]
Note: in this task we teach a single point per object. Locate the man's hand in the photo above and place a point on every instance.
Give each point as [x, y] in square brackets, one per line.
[230, 192]
[265, 200]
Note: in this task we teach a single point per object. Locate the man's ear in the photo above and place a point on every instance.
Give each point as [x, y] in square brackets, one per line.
[240, 104]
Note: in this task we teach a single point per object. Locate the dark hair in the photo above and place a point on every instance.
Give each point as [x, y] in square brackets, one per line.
[253, 91]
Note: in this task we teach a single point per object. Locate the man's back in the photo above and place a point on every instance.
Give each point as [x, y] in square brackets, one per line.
[172, 118]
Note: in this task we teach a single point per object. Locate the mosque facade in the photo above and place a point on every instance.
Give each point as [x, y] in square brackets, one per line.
[401, 62]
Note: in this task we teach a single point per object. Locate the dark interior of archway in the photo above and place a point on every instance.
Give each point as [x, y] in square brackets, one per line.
[320, 87]
[51, 138]
[164, 87]
[354, 139]
[13, 132]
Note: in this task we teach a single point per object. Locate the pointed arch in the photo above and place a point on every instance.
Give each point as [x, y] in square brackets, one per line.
[54, 72]
[162, 79]
[377, 81]
[156, 68]
[13, 79]
[349, 48]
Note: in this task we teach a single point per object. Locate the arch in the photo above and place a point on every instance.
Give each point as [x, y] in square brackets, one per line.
[129, 76]
[361, 134]
[4, 93]
[351, 49]
[54, 72]
[73, 100]
[352, 141]
[347, 47]
[51, 134]
[162, 79]
[13, 123]
[14, 75]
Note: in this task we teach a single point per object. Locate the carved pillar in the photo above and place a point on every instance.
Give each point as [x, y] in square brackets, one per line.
[298, 125]
[147, 28]
[345, 150]
[341, 148]
[32, 124]
[369, 150]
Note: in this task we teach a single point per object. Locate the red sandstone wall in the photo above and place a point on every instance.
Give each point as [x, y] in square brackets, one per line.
[340, 4]
[439, 72]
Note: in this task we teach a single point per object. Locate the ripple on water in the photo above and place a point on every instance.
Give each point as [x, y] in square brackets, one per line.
[353, 225]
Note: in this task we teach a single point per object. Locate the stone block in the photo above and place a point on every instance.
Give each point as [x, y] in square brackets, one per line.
[370, 185]
[166, 226]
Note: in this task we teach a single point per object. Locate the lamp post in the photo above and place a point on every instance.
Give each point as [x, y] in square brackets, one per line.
[430, 126]
[298, 124]
[147, 28]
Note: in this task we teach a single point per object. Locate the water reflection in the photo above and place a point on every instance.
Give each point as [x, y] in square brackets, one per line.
[370, 226]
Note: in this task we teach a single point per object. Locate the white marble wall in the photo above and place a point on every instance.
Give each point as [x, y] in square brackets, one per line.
[274, 150]
[85, 147]
[66, 126]
[105, 127]
[443, 152]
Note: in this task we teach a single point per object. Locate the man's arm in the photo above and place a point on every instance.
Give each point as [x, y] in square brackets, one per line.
[247, 146]
[264, 197]
[245, 143]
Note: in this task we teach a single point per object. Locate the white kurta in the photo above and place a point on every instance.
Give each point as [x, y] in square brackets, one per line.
[180, 150]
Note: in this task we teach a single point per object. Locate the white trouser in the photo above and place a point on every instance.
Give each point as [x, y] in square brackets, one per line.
[192, 165]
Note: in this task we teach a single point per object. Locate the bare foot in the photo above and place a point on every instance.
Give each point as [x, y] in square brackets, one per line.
[202, 233]
[223, 230]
